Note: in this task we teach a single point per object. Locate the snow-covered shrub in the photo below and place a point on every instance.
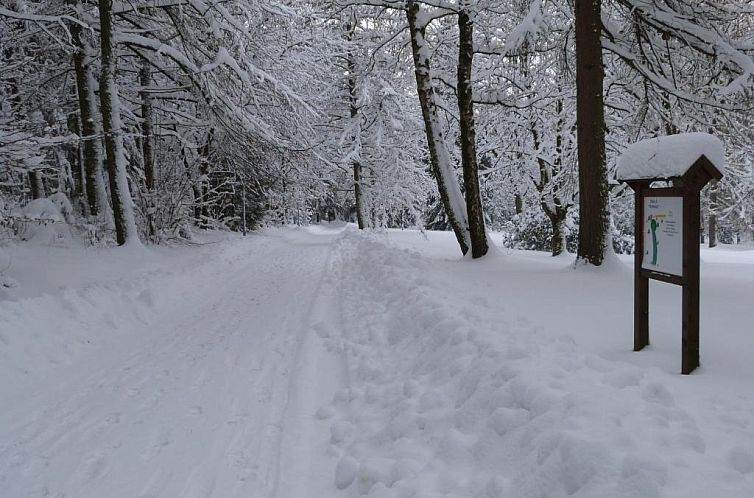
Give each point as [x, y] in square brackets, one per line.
[623, 239]
[64, 206]
[622, 222]
[532, 230]
[41, 221]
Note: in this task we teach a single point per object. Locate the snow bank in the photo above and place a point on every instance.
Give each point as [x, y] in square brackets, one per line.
[668, 157]
[451, 397]
[70, 303]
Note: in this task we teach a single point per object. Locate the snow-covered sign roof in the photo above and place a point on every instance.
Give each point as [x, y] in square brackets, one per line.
[668, 157]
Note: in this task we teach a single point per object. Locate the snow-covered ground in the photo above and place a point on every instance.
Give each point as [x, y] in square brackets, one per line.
[322, 362]
[167, 373]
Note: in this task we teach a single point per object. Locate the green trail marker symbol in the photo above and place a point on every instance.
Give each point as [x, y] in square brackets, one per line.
[653, 229]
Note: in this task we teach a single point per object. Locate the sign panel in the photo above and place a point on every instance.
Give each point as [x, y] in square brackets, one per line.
[663, 235]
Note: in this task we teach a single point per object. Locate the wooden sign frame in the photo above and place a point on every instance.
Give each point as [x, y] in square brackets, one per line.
[688, 187]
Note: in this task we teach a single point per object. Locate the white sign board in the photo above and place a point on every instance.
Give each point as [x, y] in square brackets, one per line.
[663, 235]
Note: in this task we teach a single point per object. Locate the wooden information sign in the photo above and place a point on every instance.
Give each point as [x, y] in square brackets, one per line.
[667, 226]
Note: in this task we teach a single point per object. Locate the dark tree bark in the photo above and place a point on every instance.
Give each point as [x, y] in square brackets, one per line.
[358, 196]
[357, 176]
[147, 145]
[147, 126]
[548, 187]
[36, 186]
[518, 203]
[94, 188]
[450, 195]
[202, 208]
[125, 224]
[590, 114]
[74, 155]
[474, 210]
[195, 194]
[558, 243]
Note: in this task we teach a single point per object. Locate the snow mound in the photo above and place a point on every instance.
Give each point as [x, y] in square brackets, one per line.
[668, 157]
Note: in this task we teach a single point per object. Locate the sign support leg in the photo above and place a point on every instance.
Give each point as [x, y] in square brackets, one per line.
[641, 313]
[641, 284]
[690, 306]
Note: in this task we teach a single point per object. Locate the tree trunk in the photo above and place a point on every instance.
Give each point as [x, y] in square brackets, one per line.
[94, 178]
[357, 176]
[447, 184]
[360, 219]
[558, 244]
[147, 126]
[74, 156]
[701, 231]
[189, 177]
[547, 186]
[712, 218]
[590, 114]
[202, 210]
[36, 186]
[123, 214]
[477, 232]
[518, 203]
[147, 146]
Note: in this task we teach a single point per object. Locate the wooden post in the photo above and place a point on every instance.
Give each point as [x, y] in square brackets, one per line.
[641, 283]
[690, 306]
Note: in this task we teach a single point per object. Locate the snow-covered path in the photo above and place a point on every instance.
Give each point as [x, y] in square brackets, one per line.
[194, 401]
[317, 363]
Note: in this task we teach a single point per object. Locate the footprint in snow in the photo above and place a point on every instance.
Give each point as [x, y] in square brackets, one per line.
[655, 392]
[741, 459]
[622, 379]
[321, 329]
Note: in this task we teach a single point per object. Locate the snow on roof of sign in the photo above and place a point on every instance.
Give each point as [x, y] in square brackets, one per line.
[668, 157]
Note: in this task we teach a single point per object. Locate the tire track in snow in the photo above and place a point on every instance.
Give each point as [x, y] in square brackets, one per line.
[305, 462]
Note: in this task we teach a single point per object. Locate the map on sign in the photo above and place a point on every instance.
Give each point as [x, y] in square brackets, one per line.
[663, 235]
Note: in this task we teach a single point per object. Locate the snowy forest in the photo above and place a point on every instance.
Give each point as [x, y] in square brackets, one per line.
[143, 121]
[377, 248]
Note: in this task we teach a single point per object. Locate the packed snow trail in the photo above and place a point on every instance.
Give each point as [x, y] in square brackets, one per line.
[193, 400]
[452, 392]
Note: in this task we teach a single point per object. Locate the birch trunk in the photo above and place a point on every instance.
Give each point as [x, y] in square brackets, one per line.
[447, 184]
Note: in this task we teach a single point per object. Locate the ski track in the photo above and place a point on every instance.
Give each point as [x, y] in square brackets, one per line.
[193, 404]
